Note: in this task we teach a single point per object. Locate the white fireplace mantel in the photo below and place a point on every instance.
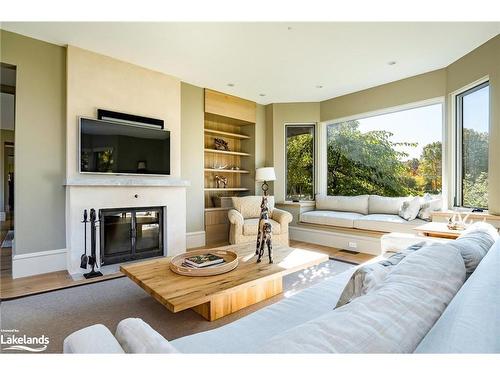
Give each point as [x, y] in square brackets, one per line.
[126, 181]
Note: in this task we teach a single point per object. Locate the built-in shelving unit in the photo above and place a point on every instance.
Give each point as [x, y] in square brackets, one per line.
[231, 119]
[227, 152]
[226, 134]
[226, 170]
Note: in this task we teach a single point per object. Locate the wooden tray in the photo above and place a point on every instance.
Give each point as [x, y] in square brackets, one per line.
[231, 262]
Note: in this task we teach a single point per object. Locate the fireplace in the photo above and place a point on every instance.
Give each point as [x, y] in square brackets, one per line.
[130, 233]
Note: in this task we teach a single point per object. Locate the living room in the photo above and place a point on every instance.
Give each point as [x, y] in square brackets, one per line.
[168, 186]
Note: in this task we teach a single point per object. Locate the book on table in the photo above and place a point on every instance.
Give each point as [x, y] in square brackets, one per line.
[203, 260]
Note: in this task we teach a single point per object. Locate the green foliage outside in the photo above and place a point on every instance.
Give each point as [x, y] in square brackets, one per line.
[370, 163]
[300, 167]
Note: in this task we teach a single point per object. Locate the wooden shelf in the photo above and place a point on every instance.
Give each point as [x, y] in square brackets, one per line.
[226, 189]
[226, 152]
[226, 170]
[227, 134]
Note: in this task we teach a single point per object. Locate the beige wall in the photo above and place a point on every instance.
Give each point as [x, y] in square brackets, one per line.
[483, 61]
[97, 81]
[192, 145]
[279, 115]
[40, 141]
[410, 90]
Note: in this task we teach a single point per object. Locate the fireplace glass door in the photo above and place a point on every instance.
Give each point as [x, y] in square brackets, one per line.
[131, 233]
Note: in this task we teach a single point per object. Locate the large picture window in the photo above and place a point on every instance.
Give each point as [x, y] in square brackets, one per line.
[394, 154]
[299, 162]
[472, 121]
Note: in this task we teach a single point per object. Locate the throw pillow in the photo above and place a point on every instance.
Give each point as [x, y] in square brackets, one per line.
[367, 277]
[409, 209]
[427, 207]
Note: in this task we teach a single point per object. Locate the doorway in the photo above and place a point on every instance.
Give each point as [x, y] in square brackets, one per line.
[7, 167]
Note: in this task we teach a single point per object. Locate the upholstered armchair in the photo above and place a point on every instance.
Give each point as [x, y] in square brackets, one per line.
[244, 220]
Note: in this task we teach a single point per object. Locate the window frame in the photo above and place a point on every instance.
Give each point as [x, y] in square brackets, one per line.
[445, 163]
[458, 141]
[314, 176]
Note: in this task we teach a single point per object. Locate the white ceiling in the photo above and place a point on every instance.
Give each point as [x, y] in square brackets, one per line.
[284, 61]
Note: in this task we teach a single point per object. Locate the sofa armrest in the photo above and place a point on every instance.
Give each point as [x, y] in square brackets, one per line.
[96, 339]
[235, 217]
[283, 217]
[136, 336]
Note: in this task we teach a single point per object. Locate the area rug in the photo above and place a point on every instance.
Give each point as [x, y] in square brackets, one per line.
[7, 242]
[58, 314]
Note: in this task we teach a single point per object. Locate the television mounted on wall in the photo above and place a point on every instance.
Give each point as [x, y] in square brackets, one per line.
[117, 148]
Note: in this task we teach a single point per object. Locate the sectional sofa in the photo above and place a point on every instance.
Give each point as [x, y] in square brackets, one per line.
[442, 298]
[365, 212]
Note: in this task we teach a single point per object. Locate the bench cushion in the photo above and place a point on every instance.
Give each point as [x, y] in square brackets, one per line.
[387, 223]
[358, 203]
[385, 205]
[335, 218]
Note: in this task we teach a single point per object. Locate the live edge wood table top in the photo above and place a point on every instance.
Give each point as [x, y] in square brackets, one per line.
[216, 296]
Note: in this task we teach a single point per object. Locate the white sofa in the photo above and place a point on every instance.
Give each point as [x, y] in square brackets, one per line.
[301, 323]
[366, 212]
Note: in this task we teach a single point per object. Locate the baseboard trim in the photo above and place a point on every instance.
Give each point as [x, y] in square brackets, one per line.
[364, 244]
[37, 263]
[195, 239]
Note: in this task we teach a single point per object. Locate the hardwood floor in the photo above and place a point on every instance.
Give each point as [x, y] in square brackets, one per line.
[15, 288]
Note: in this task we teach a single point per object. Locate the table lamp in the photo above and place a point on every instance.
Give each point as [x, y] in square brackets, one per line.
[265, 174]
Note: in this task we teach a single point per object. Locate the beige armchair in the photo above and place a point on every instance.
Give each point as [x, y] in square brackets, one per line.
[244, 220]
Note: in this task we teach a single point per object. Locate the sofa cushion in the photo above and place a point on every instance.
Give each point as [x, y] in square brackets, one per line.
[370, 275]
[335, 218]
[392, 318]
[249, 207]
[385, 205]
[136, 336]
[358, 203]
[386, 223]
[95, 339]
[474, 243]
[471, 323]
[251, 227]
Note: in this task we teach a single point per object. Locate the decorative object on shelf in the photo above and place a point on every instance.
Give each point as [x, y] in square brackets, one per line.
[264, 234]
[221, 144]
[221, 167]
[235, 168]
[177, 264]
[456, 222]
[219, 179]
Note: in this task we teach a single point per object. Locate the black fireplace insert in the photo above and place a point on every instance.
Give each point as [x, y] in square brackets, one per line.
[130, 233]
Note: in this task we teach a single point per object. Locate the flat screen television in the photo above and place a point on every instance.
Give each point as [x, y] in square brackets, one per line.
[117, 148]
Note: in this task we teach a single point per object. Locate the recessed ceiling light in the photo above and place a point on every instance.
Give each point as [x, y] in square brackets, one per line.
[230, 84]
[319, 86]
[262, 94]
[391, 63]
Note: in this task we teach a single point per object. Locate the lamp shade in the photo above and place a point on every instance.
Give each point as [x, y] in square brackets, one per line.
[265, 174]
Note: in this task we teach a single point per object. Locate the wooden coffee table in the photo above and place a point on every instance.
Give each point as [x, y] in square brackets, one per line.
[216, 296]
[438, 229]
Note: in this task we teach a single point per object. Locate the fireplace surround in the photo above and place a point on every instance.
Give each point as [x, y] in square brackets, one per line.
[130, 233]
